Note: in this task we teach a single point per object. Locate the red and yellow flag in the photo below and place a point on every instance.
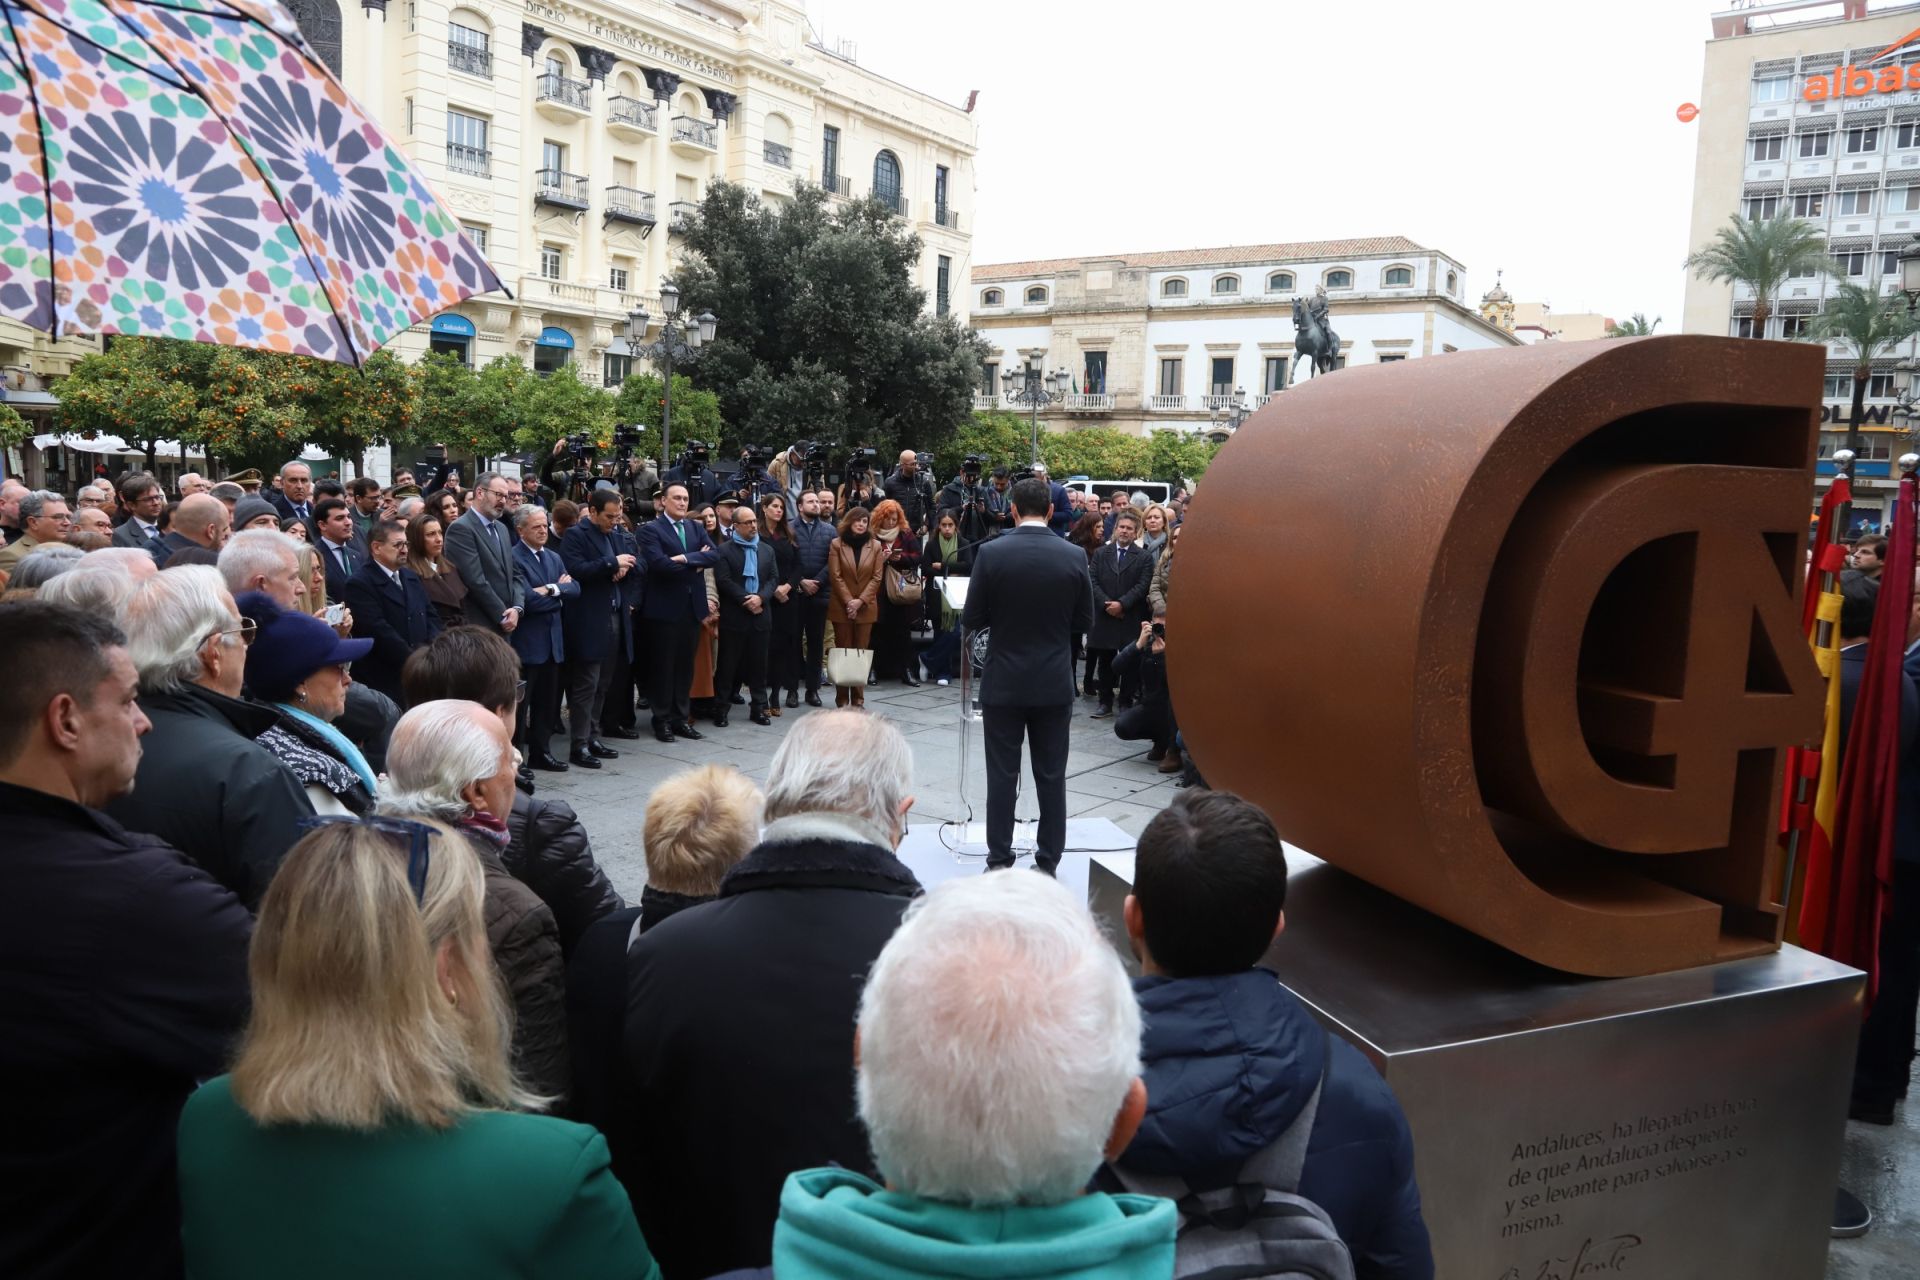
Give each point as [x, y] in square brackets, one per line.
[1812, 792]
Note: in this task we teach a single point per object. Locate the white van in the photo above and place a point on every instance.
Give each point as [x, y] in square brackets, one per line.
[1158, 492]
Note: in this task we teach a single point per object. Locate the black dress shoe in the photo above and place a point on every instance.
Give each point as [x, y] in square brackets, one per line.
[545, 760]
[793, 699]
[911, 679]
[662, 734]
[872, 678]
[644, 704]
[761, 717]
[584, 759]
[813, 698]
[720, 721]
[621, 733]
[739, 699]
[685, 730]
[601, 750]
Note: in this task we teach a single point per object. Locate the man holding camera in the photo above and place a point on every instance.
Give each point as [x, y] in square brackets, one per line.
[980, 509]
[858, 489]
[702, 483]
[753, 481]
[912, 488]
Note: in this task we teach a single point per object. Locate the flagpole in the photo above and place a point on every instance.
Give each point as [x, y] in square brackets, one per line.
[1822, 639]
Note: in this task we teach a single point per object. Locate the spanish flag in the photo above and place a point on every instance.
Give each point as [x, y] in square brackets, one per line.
[1812, 789]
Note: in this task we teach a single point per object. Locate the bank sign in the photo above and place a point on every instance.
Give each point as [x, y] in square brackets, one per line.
[1873, 415]
[1860, 82]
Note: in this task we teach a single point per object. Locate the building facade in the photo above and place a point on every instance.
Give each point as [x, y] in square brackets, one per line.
[1167, 340]
[572, 139]
[1777, 141]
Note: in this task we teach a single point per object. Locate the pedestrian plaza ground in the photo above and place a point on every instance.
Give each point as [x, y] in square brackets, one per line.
[1107, 778]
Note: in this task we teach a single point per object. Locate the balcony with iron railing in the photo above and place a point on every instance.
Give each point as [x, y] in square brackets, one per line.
[560, 188]
[470, 59]
[630, 204]
[680, 214]
[945, 217]
[895, 203]
[776, 155]
[1088, 402]
[561, 98]
[835, 185]
[693, 136]
[632, 114]
[1167, 404]
[474, 162]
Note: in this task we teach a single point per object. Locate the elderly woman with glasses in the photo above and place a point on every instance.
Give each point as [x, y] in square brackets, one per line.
[298, 663]
[374, 1123]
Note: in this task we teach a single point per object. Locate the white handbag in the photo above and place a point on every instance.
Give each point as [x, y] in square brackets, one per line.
[848, 668]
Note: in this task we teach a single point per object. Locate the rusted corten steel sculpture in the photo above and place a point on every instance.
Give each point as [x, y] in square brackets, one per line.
[1517, 636]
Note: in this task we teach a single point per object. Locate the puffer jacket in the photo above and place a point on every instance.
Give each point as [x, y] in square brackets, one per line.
[1228, 1063]
[548, 850]
[526, 951]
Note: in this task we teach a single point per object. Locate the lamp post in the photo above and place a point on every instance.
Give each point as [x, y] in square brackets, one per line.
[1235, 412]
[1031, 385]
[681, 338]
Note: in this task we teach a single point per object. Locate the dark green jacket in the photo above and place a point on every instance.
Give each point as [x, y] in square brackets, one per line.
[518, 1197]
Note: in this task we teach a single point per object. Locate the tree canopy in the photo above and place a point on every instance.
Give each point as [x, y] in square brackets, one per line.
[1100, 452]
[822, 333]
[1761, 254]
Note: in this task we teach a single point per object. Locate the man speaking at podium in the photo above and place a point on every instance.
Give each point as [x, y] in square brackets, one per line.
[1032, 589]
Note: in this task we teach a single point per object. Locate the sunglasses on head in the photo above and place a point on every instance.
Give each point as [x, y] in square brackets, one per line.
[402, 833]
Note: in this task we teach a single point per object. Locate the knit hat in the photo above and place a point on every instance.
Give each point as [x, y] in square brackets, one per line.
[288, 646]
[248, 510]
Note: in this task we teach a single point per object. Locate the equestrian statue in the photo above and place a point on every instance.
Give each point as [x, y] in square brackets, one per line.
[1313, 334]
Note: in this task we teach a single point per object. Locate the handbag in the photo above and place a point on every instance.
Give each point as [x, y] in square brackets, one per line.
[848, 668]
[905, 588]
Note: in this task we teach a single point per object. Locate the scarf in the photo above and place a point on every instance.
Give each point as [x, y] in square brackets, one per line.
[750, 574]
[887, 535]
[347, 752]
[487, 828]
[856, 543]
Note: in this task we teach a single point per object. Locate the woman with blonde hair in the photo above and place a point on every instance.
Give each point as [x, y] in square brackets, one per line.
[855, 562]
[371, 1125]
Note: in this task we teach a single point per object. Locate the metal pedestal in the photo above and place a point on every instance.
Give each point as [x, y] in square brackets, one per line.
[1679, 1125]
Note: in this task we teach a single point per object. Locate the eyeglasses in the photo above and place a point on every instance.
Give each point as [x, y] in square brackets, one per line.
[403, 833]
[519, 693]
[245, 631]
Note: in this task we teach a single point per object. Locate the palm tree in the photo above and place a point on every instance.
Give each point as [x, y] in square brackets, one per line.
[1867, 325]
[1761, 255]
[1637, 327]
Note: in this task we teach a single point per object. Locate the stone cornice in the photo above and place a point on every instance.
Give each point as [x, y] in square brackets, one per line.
[680, 50]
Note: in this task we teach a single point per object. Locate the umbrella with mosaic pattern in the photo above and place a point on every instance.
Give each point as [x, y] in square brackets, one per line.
[189, 169]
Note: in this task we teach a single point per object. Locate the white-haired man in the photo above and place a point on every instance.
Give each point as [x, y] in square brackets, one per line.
[205, 786]
[999, 1065]
[44, 518]
[295, 499]
[192, 482]
[738, 1047]
[263, 560]
[102, 582]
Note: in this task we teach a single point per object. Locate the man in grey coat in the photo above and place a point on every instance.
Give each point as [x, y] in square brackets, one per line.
[479, 547]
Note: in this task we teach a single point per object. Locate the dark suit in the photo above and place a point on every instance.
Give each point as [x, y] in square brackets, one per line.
[168, 543]
[338, 576]
[129, 534]
[674, 604]
[485, 564]
[598, 625]
[287, 510]
[1032, 589]
[1124, 577]
[743, 635]
[397, 617]
[540, 640]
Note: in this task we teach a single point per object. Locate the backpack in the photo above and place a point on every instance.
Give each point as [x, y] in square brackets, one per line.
[1259, 1228]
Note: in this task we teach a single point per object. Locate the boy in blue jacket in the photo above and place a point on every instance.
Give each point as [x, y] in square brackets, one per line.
[1231, 1056]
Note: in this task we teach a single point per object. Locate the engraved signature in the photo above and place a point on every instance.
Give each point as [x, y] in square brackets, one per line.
[1593, 1258]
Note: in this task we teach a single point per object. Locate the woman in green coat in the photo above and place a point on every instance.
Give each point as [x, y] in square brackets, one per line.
[371, 1126]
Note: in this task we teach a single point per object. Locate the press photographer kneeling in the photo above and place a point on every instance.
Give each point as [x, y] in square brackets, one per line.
[1151, 718]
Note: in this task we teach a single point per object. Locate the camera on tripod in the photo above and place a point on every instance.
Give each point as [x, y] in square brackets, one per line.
[694, 453]
[860, 461]
[626, 437]
[1023, 473]
[971, 466]
[818, 454]
[756, 456]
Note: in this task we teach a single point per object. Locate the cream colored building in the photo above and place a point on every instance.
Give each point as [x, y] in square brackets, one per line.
[1774, 143]
[572, 138]
[1168, 339]
[1539, 322]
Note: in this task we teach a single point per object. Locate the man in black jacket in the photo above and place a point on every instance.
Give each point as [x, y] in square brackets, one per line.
[912, 488]
[1121, 574]
[1032, 589]
[738, 1054]
[205, 786]
[812, 536]
[745, 577]
[123, 967]
[390, 607]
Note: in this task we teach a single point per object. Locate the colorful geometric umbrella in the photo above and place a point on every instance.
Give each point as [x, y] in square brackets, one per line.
[189, 169]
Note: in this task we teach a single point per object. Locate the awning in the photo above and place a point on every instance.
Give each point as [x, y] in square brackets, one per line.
[115, 446]
[453, 325]
[554, 336]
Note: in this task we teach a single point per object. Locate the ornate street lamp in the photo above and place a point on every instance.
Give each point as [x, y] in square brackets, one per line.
[1029, 384]
[1235, 412]
[1910, 273]
[681, 338]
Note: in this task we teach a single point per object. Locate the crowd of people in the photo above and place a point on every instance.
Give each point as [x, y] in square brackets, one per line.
[304, 978]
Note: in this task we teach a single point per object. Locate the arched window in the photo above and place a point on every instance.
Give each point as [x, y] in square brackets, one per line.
[1174, 288]
[1339, 278]
[886, 179]
[1226, 284]
[1453, 283]
[1280, 282]
[1396, 277]
[1037, 295]
[992, 298]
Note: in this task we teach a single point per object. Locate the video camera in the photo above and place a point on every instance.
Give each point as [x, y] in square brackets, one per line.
[860, 461]
[581, 446]
[694, 453]
[756, 455]
[971, 466]
[626, 436]
[818, 454]
[1023, 473]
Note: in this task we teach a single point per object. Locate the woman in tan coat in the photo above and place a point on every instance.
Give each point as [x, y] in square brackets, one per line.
[855, 562]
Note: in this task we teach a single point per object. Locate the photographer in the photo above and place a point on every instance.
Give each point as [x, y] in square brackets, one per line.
[912, 488]
[790, 471]
[703, 484]
[979, 509]
[859, 488]
[753, 481]
[638, 482]
[1151, 719]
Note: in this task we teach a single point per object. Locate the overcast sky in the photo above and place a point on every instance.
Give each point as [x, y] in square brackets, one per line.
[1537, 137]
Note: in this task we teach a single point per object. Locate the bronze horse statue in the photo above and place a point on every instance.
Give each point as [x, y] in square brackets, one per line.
[1313, 337]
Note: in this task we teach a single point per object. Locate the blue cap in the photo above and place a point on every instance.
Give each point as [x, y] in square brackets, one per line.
[289, 646]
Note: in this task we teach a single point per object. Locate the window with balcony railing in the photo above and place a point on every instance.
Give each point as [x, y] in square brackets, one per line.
[835, 185]
[776, 155]
[469, 51]
[632, 111]
[475, 162]
[554, 87]
[703, 133]
[630, 202]
[948, 218]
[557, 184]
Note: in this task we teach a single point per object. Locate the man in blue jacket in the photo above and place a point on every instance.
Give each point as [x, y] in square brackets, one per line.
[677, 553]
[598, 633]
[1231, 1056]
[812, 535]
